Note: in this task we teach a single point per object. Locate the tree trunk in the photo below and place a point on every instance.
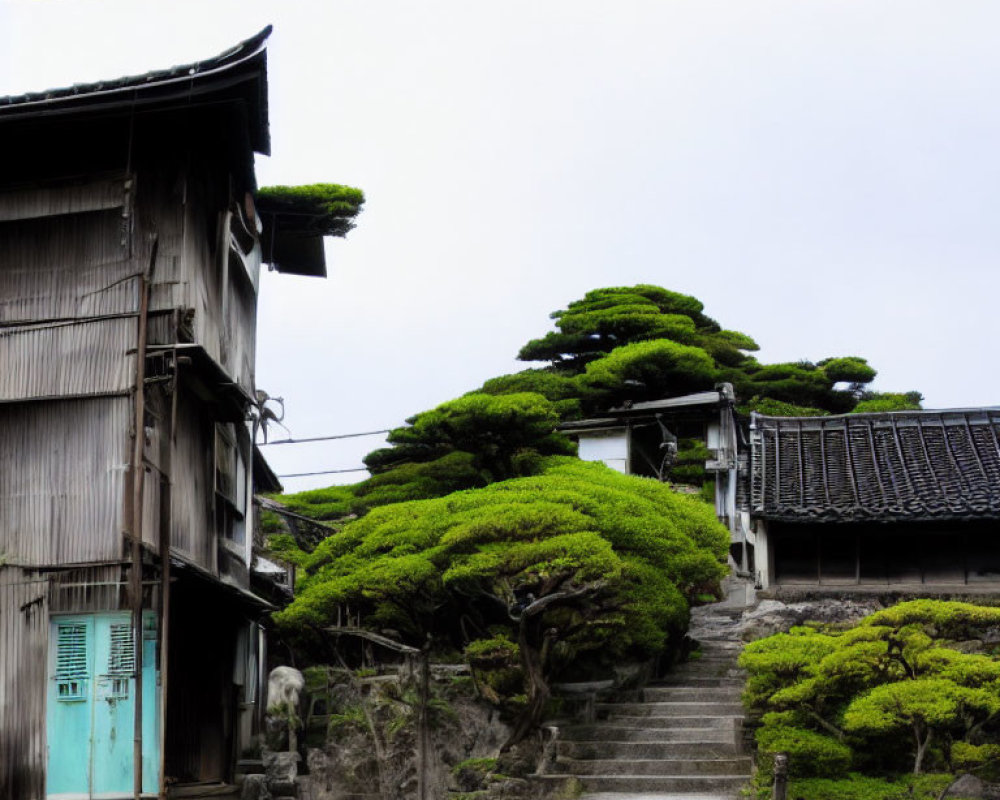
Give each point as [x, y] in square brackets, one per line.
[538, 688]
[921, 747]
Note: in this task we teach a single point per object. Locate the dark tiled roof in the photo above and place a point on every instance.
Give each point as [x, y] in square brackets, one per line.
[918, 465]
[240, 65]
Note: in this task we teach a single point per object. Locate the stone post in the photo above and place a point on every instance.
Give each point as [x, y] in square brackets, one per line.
[780, 776]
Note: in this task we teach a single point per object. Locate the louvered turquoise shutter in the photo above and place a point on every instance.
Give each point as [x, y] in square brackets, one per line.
[70, 705]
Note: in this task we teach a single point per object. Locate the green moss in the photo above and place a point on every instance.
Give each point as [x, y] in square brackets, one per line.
[860, 787]
[876, 402]
[325, 208]
[473, 773]
[482, 765]
[770, 407]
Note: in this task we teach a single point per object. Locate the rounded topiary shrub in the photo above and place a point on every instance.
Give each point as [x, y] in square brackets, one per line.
[810, 754]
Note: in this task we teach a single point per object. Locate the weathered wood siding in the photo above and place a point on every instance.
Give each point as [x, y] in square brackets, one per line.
[24, 629]
[97, 195]
[62, 470]
[65, 267]
[70, 359]
[65, 293]
[90, 589]
[241, 318]
[192, 531]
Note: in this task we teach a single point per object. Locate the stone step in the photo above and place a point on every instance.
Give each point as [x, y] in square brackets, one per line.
[603, 731]
[694, 784]
[707, 671]
[711, 694]
[612, 748]
[713, 655]
[720, 645]
[673, 709]
[625, 721]
[695, 681]
[685, 766]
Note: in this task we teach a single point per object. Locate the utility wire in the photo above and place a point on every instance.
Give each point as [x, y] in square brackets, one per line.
[323, 472]
[323, 439]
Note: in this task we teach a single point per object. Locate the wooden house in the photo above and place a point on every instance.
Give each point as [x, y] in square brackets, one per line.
[649, 438]
[907, 500]
[131, 649]
[892, 501]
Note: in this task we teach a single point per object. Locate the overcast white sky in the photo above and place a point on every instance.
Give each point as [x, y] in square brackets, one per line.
[823, 175]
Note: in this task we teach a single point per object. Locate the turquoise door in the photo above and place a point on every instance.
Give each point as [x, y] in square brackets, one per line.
[91, 707]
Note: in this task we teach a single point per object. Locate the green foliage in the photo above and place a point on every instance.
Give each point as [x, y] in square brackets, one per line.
[810, 754]
[615, 345]
[496, 649]
[873, 402]
[947, 619]
[324, 208]
[594, 330]
[849, 369]
[561, 389]
[502, 432]
[451, 472]
[770, 407]
[891, 679]
[648, 370]
[862, 787]
[627, 552]
[983, 759]
[349, 719]
[921, 703]
[801, 383]
[283, 547]
[689, 465]
[608, 318]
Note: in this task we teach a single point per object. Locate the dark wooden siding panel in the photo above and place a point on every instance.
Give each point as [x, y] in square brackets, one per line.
[23, 681]
[89, 589]
[68, 266]
[81, 358]
[109, 193]
[193, 494]
[241, 323]
[62, 470]
[203, 271]
[160, 213]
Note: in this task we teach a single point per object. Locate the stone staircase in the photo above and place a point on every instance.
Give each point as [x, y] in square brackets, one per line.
[681, 737]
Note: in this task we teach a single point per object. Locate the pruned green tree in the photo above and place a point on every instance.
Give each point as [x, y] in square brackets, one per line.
[611, 342]
[576, 565]
[614, 346]
[894, 672]
[503, 433]
[921, 707]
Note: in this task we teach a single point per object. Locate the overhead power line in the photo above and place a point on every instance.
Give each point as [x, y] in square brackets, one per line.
[324, 439]
[323, 472]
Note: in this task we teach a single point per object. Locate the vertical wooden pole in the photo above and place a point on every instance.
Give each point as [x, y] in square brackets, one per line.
[166, 478]
[138, 475]
[423, 722]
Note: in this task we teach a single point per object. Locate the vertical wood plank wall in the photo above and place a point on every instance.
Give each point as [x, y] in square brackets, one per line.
[24, 627]
[62, 471]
